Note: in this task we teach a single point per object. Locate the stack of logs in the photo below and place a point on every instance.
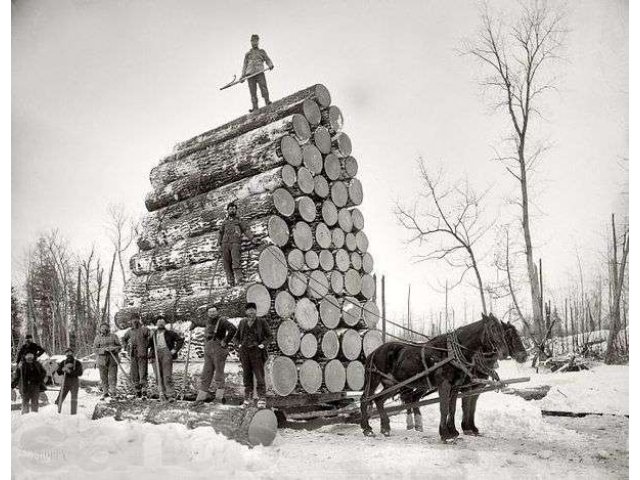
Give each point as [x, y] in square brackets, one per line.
[290, 170]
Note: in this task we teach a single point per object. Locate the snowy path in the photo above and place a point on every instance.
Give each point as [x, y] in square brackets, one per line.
[517, 442]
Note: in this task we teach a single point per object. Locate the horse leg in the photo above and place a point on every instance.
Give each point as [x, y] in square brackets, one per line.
[418, 419]
[468, 418]
[444, 391]
[453, 400]
[410, 424]
[385, 424]
[369, 390]
[406, 398]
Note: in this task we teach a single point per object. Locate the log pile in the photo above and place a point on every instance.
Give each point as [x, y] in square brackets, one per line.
[290, 170]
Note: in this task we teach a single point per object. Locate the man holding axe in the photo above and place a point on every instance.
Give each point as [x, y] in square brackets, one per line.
[71, 369]
[253, 71]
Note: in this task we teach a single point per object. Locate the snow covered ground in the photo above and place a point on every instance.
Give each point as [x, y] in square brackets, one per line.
[517, 442]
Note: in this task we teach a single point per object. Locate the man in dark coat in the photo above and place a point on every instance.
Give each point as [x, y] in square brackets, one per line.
[254, 61]
[229, 239]
[72, 370]
[167, 344]
[29, 346]
[136, 343]
[252, 338]
[29, 376]
[218, 333]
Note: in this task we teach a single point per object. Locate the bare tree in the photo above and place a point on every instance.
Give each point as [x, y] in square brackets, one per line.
[518, 57]
[617, 269]
[450, 224]
[122, 231]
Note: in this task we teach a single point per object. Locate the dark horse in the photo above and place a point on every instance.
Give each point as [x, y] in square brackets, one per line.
[467, 353]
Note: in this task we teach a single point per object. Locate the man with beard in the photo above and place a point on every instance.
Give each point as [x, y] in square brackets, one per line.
[72, 370]
[136, 343]
[229, 239]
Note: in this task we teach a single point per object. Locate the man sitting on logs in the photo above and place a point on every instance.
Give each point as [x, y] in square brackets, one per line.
[72, 370]
[219, 331]
[252, 338]
[136, 342]
[107, 346]
[229, 240]
[30, 377]
[164, 347]
[254, 61]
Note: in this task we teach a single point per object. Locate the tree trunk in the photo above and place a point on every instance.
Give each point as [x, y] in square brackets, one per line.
[248, 426]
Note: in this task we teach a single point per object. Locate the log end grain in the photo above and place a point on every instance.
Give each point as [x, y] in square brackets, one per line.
[308, 345]
[285, 304]
[302, 236]
[330, 311]
[322, 140]
[334, 376]
[284, 202]
[312, 158]
[301, 128]
[311, 112]
[310, 374]
[258, 294]
[323, 236]
[330, 344]
[288, 337]
[305, 180]
[278, 231]
[306, 314]
[339, 194]
[282, 375]
[350, 343]
[371, 340]
[290, 150]
[342, 145]
[371, 314]
[297, 283]
[329, 213]
[355, 191]
[318, 285]
[322, 95]
[320, 186]
[355, 376]
[272, 267]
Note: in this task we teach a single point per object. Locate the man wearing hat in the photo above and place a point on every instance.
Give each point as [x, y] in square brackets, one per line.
[30, 377]
[72, 370]
[29, 346]
[167, 344]
[252, 338]
[136, 343]
[229, 239]
[218, 333]
[106, 346]
[254, 61]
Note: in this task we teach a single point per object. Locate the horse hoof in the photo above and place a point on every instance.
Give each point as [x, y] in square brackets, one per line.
[386, 433]
[473, 433]
[368, 433]
[419, 429]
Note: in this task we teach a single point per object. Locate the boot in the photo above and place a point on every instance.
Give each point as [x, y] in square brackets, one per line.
[219, 395]
[201, 397]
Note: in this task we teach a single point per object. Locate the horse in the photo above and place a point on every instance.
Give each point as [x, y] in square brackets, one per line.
[457, 352]
[484, 370]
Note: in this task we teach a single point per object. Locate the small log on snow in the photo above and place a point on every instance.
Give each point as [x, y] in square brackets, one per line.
[305, 181]
[342, 260]
[368, 286]
[334, 376]
[341, 145]
[281, 375]
[323, 235]
[344, 220]
[284, 202]
[272, 267]
[337, 237]
[312, 158]
[320, 186]
[285, 304]
[355, 376]
[311, 260]
[350, 343]
[339, 194]
[310, 375]
[367, 262]
[336, 281]
[329, 213]
[303, 236]
[322, 139]
[358, 219]
[258, 294]
[225, 171]
[278, 231]
[248, 426]
[351, 311]
[327, 261]
[308, 345]
[330, 311]
[332, 119]
[295, 259]
[318, 285]
[330, 344]
[297, 283]
[288, 337]
[352, 282]
[306, 208]
[370, 314]
[371, 339]
[306, 314]
[356, 261]
[237, 147]
[362, 242]
[303, 102]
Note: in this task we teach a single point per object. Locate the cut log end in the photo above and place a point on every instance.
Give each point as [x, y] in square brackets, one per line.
[311, 112]
[290, 150]
[330, 311]
[278, 231]
[322, 96]
[312, 158]
[308, 345]
[355, 191]
[322, 140]
[371, 340]
[320, 186]
[342, 145]
[302, 236]
[334, 376]
[318, 285]
[272, 267]
[284, 202]
[355, 376]
[305, 182]
[323, 235]
[371, 314]
[310, 374]
[329, 213]
[288, 337]
[297, 284]
[258, 294]
[282, 375]
[306, 209]
[306, 314]
[301, 128]
[350, 343]
[330, 344]
[285, 304]
[339, 194]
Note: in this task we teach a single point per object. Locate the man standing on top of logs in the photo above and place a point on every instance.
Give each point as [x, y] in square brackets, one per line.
[166, 344]
[136, 343]
[219, 331]
[252, 338]
[229, 240]
[254, 61]
[29, 346]
[107, 347]
[71, 368]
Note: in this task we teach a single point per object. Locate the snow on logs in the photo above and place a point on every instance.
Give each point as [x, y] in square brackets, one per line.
[289, 168]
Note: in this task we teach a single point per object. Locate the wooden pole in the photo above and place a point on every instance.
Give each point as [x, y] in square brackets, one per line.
[384, 312]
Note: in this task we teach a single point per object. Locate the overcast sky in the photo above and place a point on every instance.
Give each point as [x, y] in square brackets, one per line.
[101, 90]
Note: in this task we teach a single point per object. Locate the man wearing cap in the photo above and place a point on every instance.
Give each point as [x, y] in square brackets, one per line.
[252, 338]
[167, 344]
[218, 333]
[229, 239]
[254, 61]
[30, 377]
[72, 370]
[107, 346]
[29, 346]
[136, 343]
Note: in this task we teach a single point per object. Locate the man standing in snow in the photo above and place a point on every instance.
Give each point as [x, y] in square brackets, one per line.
[72, 370]
[229, 239]
[252, 338]
[254, 61]
[29, 346]
[136, 343]
[167, 344]
[219, 331]
[29, 377]
[106, 346]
